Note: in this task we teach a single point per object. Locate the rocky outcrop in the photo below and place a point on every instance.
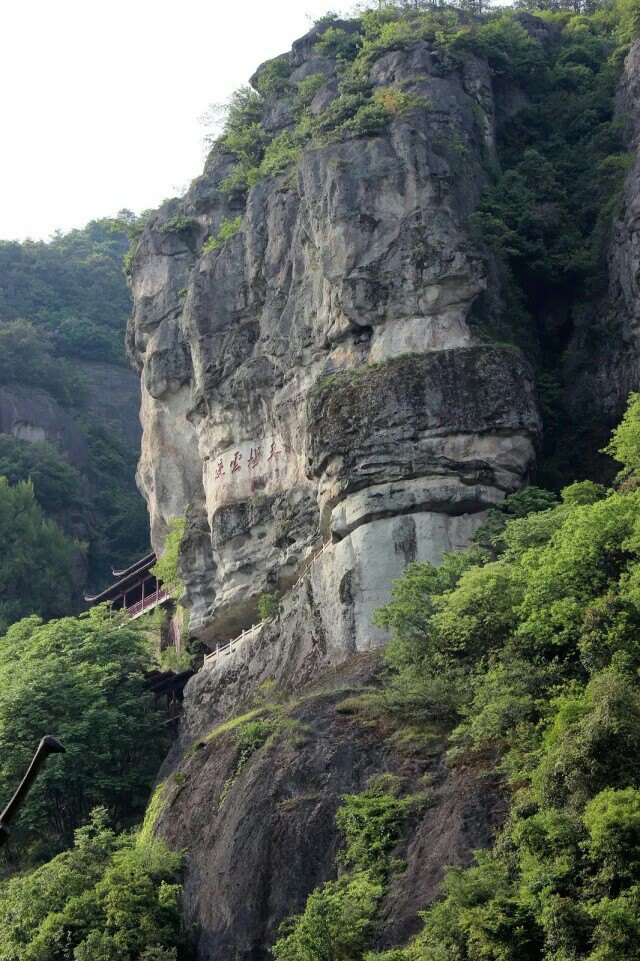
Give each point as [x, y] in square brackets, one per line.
[260, 837]
[334, 376]
[30, 414]
[320, 375]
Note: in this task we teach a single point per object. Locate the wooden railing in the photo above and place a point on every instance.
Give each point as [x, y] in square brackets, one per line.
[308, 561]
[151, 600]
[228, 647]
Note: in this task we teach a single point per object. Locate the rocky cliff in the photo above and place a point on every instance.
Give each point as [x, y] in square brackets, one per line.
[337, 369]
[318, 376]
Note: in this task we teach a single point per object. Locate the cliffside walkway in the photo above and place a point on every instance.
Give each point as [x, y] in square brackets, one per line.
[229, 647]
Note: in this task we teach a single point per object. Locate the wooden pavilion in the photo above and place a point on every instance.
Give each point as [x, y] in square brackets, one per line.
[136, 590]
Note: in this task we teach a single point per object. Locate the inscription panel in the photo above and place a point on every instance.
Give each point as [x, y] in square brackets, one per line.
[262, 466]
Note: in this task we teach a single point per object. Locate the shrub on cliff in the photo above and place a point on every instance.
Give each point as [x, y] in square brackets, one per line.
[338, 921]
[166, 568]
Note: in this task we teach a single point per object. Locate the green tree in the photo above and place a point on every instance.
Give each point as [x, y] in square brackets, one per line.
[625, 442]
[109, 898]
[81, 679]
[36, 559]
[56, 485]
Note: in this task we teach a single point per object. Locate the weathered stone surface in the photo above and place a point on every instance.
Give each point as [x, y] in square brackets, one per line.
[31, 415]
[367, 257]
[468, 413]
[112, 394]
[258, 845]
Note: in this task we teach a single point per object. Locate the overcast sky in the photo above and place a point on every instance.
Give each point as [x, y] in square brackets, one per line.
[102, 100]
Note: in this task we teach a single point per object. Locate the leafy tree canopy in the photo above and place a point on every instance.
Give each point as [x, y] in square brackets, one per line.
[37, 560]
[80, 678]
[110, 898]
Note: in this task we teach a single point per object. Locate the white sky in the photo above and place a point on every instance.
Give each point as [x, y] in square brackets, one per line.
[102, 99]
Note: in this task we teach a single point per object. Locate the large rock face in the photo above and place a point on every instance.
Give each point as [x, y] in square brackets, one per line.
[317, 391]
[318, 376]
[260, 838]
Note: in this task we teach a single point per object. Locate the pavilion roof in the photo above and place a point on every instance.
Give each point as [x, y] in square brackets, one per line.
[125, 578]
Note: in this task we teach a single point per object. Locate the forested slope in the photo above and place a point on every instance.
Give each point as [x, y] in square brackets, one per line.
[69, 418]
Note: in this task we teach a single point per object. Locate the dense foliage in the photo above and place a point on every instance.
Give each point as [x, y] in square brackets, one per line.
[82, 679]
[109, 898]
[36, 559]
[120, 523]
[71, 289]
[57, 485]
[63, 304]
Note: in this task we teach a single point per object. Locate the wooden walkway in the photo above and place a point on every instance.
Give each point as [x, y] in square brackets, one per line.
[229, 647]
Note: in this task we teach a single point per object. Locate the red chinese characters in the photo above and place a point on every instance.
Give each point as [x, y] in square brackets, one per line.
[256, 459]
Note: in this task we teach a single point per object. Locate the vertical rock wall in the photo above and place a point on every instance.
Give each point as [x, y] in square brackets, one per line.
[318, 376]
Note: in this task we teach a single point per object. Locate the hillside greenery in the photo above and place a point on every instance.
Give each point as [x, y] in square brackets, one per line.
[81, 678]
[71, 289]
[109, 898]
[64, 304]
[37, 561]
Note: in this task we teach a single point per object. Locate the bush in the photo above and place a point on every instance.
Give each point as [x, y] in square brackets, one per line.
[227, 230]
[338, 921]
[338, 43]
[166, 568]
[268, 606]
[178, 225]
[273, 78]
[107, 899]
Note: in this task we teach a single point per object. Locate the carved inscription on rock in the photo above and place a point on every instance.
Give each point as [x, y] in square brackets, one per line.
[250, 468]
